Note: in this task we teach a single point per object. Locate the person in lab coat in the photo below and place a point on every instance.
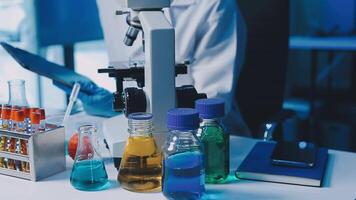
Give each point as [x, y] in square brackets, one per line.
[210, 34]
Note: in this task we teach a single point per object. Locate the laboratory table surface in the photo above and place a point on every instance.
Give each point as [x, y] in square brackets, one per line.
[339, 183]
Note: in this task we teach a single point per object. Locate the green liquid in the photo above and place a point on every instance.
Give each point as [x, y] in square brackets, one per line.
[217, 157]
[89, 175]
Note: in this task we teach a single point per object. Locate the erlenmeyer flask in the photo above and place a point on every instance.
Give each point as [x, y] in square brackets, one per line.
[141, 164]
[88, 171]
[17, 93]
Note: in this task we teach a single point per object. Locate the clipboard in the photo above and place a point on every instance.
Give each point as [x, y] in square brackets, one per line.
[44, 67]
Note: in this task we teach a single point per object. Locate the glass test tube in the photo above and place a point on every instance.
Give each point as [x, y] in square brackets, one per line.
[23, 146]
[20, 121]
[11, 164]
[2, 164]
[26, 111]
[12, 122]
[5, 162]
[12, 145]
[35, 122]
[42, 126]
[21, 127]
[6, 117]
[18, 165]
[25, 166]
[3, 141]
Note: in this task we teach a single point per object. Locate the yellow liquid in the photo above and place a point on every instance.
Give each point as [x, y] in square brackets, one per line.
[11, 145]
[23, 146]
[2, 162]
[2, 143]
[11, 164]
[141, 165]
[25, 166]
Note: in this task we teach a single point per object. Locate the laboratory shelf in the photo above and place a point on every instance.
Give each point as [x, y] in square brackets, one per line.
[46, 154]
[14, 173]
[14, 156]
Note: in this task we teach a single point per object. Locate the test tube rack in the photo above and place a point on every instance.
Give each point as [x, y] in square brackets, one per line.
[45, 154]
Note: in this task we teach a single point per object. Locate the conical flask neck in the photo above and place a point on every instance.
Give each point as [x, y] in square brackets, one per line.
[17, 94]
[86, 146]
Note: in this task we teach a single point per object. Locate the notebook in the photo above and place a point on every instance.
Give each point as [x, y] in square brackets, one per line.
[43, 67]
[258, 166]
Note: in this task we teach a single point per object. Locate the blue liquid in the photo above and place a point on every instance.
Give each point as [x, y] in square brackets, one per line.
[66, 148]
[89, 175]
[184, 176]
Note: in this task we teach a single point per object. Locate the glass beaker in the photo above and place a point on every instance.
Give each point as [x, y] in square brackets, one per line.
[17, 93]
[88, 171]
[141, 165]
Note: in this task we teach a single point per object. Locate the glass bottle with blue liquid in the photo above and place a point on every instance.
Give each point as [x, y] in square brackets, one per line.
[88, 173]
[183, 157]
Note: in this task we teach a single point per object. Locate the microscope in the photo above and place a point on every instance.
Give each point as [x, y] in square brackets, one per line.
[156, 90]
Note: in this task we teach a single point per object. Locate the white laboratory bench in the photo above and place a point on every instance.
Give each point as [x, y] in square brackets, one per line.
[340, 183]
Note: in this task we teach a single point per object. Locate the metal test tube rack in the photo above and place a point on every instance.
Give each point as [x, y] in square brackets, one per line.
[45, 153]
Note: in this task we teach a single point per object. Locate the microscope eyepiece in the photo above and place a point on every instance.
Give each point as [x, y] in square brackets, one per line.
[131, 35]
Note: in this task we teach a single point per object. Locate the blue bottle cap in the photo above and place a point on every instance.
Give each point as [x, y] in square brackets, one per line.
[210, 108]
[182, 119]
[140, 116]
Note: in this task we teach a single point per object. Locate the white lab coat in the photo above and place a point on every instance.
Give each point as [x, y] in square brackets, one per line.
[209, 33]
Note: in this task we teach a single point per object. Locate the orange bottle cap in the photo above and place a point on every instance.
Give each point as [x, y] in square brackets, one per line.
[42, 113]
[19, 116]
[35, 117]
[6, 113]
[12, 115]
[33, 110]
[26, 111]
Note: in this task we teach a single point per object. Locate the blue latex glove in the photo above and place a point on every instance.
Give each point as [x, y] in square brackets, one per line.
[98, 102]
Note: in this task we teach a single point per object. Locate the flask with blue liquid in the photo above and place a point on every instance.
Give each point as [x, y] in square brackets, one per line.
[183, 157]
[88, 173]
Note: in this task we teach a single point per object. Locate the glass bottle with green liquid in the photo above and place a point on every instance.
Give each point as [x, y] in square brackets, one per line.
[141, 165]
[88, 173]
[214, 139]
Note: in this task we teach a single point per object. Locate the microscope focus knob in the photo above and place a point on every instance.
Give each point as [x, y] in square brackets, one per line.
[187, 95]
[135, 100]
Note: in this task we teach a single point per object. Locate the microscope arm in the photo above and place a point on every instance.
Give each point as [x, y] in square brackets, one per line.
[159, 48]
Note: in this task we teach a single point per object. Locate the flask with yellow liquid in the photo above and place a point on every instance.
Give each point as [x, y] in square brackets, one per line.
[141, 165]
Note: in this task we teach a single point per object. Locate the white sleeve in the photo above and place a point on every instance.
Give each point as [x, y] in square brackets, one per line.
[214, 69]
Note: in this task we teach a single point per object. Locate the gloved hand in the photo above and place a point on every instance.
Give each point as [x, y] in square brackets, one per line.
[96, 100]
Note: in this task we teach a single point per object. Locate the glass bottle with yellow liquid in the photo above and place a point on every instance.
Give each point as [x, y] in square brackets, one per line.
[141, 165]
